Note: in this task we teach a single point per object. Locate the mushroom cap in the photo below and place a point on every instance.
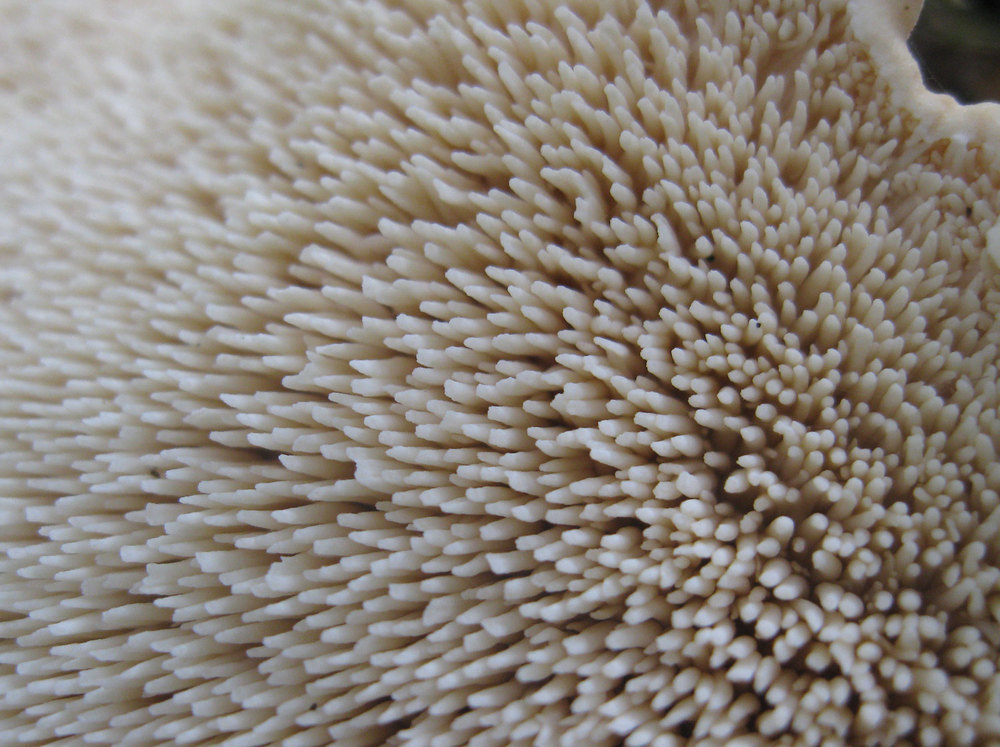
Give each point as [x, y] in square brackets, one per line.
[535, 372]
[882, 27]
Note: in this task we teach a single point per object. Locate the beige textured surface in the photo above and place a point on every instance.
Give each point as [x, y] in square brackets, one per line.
[440, 373]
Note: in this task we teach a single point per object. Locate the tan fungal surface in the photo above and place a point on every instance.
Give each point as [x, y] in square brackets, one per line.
[493, 373]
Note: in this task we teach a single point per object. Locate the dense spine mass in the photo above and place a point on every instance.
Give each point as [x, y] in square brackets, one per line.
[490, 373]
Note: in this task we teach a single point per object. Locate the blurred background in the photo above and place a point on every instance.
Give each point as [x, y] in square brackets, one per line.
[957, 43]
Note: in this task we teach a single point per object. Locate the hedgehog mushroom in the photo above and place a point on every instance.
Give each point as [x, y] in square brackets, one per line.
[494, 373]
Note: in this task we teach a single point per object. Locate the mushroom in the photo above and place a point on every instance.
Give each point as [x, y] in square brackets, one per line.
[534, 372]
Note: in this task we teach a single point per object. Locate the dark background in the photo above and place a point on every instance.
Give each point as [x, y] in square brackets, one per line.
[957, 43]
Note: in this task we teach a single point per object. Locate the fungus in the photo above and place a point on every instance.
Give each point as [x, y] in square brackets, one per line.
[494, 373]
